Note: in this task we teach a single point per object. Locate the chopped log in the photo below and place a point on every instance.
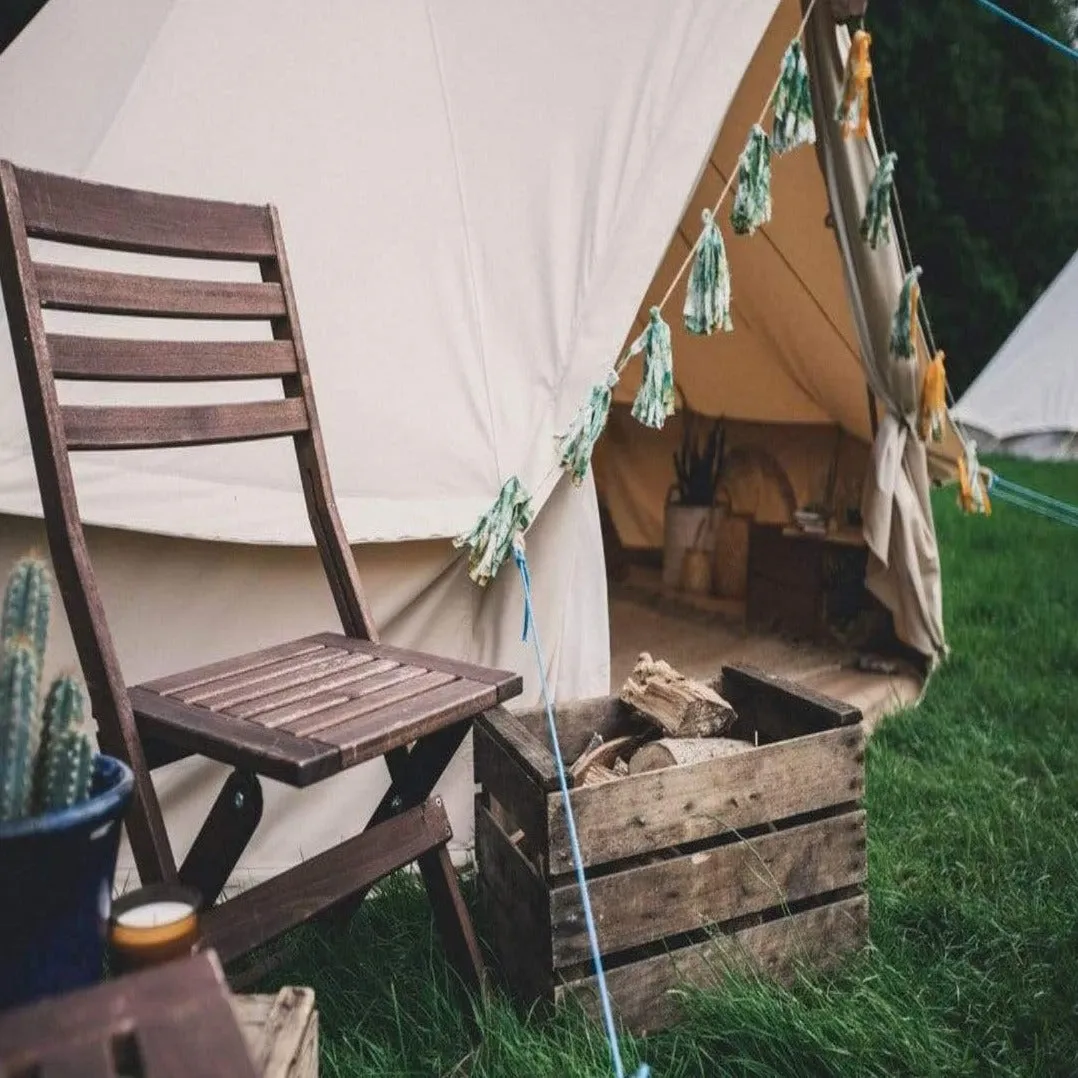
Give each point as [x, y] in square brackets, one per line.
[672, 752]
[605, 753]
[598, 774]
[677, 705]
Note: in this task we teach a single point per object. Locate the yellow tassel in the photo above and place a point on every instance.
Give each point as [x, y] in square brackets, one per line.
[852, 110]
[972, 491]
[933, 400]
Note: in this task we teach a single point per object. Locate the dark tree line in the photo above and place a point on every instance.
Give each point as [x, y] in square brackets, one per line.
[984, 119]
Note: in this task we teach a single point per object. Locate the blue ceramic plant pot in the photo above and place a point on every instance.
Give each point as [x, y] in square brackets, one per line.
[56, 876]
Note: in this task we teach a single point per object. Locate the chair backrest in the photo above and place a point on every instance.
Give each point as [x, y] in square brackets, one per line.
[43, 206]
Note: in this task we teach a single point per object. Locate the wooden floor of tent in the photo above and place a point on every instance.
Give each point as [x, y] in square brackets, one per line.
[698, 636]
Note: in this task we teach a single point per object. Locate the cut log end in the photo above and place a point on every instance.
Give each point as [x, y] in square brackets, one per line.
[675, 752]
[677, 705]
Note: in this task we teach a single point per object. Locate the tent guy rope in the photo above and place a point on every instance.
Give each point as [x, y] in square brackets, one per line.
[530, 630]
[1067, 50]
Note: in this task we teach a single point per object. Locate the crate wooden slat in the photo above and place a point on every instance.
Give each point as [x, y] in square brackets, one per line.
[640, 991]
[281, 1032]
[756, 858]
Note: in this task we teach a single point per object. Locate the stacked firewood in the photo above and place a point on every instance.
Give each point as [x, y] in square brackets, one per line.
[684, 723]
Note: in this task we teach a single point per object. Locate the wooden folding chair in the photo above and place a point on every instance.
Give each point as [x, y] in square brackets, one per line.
[299, 712]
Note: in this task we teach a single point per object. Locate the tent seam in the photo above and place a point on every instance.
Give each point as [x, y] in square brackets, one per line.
[473, 281]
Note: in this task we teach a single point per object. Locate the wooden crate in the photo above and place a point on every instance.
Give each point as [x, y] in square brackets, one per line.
[753, 859]
[281, 1032]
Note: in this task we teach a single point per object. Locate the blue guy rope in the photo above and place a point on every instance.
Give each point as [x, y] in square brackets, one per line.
[1025, 498]
[1067, 50]
[578, 861]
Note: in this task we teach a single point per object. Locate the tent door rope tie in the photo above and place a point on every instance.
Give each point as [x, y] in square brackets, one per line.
[530, 629]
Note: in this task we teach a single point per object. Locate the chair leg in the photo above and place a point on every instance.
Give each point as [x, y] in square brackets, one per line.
[224, 836]
[413, 775]
[452, 918]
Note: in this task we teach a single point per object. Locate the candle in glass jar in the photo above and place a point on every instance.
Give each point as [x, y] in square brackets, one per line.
[153, 925]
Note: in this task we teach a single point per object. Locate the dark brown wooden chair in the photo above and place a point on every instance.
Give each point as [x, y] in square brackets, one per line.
[172, 1020]
[299, 712]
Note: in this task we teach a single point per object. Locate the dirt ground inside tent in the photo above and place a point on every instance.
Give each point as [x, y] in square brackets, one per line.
[697, 636]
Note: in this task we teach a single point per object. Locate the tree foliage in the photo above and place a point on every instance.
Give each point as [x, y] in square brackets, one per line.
[984, 118]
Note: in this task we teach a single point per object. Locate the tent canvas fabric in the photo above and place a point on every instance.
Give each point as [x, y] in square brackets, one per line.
[1025, 401]
[471, 227]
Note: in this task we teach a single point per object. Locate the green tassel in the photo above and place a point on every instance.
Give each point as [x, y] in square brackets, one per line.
[793, 123]
[752, 204]
[655, 398]
[20, 728]
[25, 613]
[69, 767]
[903, 333]
[707, 300]
[577, 444]
[491, 540]
[876, 223]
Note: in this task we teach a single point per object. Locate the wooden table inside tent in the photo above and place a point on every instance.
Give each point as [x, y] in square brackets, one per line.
[797, 580]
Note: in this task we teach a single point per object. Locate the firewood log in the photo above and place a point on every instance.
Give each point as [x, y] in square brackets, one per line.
[671, 752]
[604, 752]
[677, 705]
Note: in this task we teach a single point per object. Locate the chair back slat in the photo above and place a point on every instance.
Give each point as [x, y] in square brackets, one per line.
[119, 219]
[169, 427]
[109, 359]
[73, 288]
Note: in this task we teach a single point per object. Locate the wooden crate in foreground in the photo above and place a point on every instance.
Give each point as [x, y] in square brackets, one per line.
[756, 859]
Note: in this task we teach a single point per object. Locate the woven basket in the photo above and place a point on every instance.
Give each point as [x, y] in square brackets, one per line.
[731, 556]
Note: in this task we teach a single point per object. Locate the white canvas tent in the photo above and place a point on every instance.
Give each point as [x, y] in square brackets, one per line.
[1025, 401]
[475, 197]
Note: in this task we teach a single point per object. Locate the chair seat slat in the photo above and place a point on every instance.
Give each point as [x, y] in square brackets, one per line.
[371, 733]
[90, 427]
[107, 359]
[73, 288]
[117, 218]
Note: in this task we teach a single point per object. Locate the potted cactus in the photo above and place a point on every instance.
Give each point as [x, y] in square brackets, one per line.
[61, 810]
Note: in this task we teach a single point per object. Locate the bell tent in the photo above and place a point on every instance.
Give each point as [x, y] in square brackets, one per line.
[481, 202]
[1025, 401]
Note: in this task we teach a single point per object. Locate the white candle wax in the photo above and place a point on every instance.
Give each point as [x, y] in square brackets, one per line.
[155, 914]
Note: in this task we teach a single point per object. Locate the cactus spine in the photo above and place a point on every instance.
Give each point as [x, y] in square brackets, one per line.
[26, 606]
[46, 756]
[65, 760]
[20, 728]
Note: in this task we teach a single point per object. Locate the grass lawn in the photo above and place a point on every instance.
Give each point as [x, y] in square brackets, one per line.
[973, 872]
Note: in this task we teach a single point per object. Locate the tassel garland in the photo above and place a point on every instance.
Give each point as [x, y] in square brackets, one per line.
[577, 444]
[903, 325]
[707, 300]
[972, 489]
[793, 123]
[933, 400]
[491, 540]
[655, 398]
[852, 111]
[876, 223]
[752, 204]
